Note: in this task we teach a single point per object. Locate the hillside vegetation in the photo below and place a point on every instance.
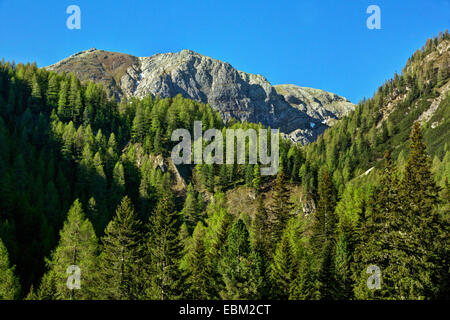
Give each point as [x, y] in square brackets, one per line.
[88, 181]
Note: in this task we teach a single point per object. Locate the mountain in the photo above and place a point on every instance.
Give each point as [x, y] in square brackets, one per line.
[301, 113]
[81, 173]
[357, 143]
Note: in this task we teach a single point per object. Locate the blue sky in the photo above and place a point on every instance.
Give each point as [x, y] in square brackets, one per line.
[320, 44]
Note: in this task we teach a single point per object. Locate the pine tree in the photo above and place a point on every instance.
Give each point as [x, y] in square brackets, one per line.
[165, 251]
[121, 258]
[77, 247]
[9, 284]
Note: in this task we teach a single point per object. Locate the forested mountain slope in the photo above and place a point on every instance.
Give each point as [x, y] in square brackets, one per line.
[87, 181]
[420, 93]
[235, 94]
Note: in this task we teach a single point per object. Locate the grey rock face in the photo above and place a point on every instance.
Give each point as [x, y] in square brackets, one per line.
[300, 113]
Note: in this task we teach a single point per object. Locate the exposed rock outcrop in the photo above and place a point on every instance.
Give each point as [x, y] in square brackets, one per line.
[301, 113]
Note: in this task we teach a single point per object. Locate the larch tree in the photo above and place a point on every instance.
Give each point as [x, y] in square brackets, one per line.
[77, 252]
[9, 283]
[199, 284]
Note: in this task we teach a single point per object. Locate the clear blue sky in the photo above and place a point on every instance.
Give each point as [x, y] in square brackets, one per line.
[320, 44]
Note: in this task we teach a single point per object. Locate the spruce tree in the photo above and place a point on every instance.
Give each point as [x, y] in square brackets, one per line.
[342, 260]
[427, 231]
[240, 266]
[121, 258]
[165, 251]
[405, 235]
[322, 240]
[324, 218]
[280, 209]
[283, 269]
[260, 225]
[199, 284]
[261, 242]
[249, 175]
[379, 236]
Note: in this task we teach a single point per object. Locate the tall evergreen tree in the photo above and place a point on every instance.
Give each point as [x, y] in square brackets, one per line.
[199, 282]
[190, 209]
[77, 247]
[324, 218]
[342, 260]
[323, 237]
[256, 178]
[280, 209]
[122, 255]
[9, 284]
[305, 285]
[283, 269]
[240, 266]
[378, 242]
[52, 91]
[165, 251]
[427, 231]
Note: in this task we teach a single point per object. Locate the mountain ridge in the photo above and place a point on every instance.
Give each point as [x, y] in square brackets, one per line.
[235, 94]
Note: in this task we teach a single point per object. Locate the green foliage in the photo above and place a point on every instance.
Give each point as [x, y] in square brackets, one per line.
[283, 269]
[165, 252]
[120, 270]
[280, 209]
[77, 247]
[9, 284]
[240, 265]
[63, 139]
[199, 281]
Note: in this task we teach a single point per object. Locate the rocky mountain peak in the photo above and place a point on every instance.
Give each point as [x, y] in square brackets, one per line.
[300, 113]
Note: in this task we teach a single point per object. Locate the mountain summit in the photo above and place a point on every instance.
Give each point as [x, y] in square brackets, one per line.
[300, 113]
